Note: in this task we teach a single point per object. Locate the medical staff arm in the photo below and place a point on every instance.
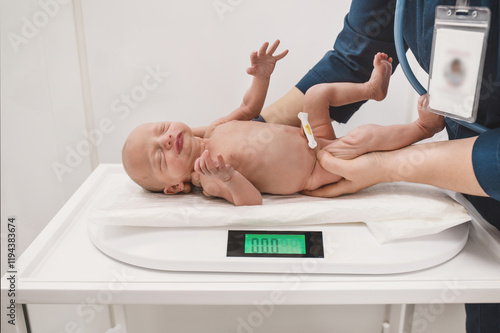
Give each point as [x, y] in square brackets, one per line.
[450, 165]
[220, 180]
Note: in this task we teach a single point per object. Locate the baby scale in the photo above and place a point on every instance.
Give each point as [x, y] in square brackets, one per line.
[327, 249]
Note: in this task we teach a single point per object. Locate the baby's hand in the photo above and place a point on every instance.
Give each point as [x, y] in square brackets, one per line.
[263, 62]
[356, 143]
[204, 165]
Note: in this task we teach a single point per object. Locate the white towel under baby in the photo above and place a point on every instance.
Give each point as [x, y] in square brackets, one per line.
[390, 210]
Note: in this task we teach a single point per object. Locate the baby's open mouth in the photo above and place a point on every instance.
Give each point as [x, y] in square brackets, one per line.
[178, 142]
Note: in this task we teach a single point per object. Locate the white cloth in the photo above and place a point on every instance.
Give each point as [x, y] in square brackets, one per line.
[390, 210]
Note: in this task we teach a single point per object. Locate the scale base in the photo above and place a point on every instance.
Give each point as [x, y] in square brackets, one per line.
[348, 249]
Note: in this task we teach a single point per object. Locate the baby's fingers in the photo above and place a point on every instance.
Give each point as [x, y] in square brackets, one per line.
[263, 49]
[211, 167]
[254, 57]
[251, 70]
[222, 164]
[273, 47]
[225, 170]
[422, 102]
[201, 164]
[195, 178]
[197, 167]
[281, 55]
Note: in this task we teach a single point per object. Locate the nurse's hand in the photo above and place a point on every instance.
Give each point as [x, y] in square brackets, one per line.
[444, 164]
[357, 142]
[359, 173]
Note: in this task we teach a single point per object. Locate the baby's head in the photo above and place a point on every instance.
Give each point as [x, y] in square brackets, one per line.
[160, 156]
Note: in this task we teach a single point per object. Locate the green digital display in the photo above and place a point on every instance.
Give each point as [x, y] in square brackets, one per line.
[275, 244]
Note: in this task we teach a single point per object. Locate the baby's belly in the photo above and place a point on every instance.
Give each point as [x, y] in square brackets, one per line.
[274, 158]
[284, 173]
[295, 171]
[286, 181]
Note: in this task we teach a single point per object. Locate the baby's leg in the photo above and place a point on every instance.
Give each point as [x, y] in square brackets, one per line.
[320, 97]
[342, 93]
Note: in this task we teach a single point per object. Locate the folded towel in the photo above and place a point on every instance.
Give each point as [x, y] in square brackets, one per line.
[390, 210]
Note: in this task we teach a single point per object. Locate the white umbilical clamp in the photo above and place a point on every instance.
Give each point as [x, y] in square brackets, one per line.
[307, 130]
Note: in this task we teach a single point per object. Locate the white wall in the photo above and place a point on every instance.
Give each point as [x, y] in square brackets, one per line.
[205, 56]
[42, 114]
[201, 55]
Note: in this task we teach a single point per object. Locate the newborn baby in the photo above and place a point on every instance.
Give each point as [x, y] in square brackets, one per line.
[238, 159]
[258, 158]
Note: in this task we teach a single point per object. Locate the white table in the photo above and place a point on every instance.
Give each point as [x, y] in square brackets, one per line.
[63, 266]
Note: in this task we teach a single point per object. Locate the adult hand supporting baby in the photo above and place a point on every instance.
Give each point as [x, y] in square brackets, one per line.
[359, 173]
[445, 164]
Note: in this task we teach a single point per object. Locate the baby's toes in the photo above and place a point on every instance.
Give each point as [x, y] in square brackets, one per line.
[381, 57]
[422, 102]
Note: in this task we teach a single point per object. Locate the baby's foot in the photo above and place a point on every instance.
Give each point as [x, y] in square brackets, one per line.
[422, 103]
[381, 74]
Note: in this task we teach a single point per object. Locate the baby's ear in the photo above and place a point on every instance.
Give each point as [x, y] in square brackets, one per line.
[174, 189]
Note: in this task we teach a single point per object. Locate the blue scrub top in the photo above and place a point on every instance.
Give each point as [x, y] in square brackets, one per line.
[369, 28]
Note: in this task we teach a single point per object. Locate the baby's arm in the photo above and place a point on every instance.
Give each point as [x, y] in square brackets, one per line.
[262, 66]
[220, 179]
[369, 138]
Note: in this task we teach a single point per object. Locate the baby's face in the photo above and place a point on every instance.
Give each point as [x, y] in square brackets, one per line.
[162, 155]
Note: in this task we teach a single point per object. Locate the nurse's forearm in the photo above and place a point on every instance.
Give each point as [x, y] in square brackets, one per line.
[446, 164]
[285, 110]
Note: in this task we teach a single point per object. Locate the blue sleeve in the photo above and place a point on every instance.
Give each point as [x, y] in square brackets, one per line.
[486, 162]
[368, 29]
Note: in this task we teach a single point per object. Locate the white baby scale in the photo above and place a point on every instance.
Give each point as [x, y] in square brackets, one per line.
[345, 249]
[325, 249]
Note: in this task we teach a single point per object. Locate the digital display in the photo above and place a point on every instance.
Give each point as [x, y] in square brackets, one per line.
[275, 243]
